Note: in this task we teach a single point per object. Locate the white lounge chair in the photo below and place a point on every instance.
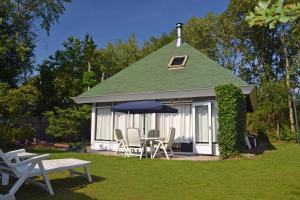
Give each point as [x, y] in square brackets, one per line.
[166, 146]
[38, 166]
[121, 141]
[135, 145]
[17, 156]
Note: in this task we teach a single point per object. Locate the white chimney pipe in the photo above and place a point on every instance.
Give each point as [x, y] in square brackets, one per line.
[179, 30]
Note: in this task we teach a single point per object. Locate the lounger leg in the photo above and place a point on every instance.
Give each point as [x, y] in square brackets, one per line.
[17, 185]
[5, 179]
[20, 181]
[46, 179]
[88, 174]
[7, 197]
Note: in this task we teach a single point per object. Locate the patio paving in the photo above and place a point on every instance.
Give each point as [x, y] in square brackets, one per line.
[177, 156]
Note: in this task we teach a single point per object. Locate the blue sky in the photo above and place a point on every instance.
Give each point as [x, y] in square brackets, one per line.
[109, 20]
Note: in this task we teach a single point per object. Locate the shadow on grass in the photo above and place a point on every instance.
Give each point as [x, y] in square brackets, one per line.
[296, 191]
[44, 150]
[64, 189]
[263, 144]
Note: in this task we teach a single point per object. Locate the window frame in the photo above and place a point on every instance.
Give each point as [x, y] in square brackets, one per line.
[170, 66]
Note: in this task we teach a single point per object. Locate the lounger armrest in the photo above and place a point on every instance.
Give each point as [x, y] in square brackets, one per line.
[14, 153]
[33, 159]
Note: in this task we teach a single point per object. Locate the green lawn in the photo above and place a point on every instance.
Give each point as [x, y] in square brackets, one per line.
[272, 175]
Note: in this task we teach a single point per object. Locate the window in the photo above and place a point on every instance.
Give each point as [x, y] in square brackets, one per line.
[104, 119]
[178, 62]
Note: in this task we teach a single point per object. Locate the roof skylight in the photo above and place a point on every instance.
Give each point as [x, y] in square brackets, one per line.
[178, 62]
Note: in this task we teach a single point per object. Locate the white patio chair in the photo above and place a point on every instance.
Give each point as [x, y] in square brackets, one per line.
[135, 145]
[38, 166]
[166, 146]
[121, 141]
[247, 140]
[153, 133]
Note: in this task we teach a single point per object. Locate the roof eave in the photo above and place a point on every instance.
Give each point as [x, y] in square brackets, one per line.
[247, 90]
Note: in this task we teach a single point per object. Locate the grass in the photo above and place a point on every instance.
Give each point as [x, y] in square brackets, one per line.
[272, 175]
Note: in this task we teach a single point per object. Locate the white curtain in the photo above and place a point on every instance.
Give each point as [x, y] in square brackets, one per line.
[104, 121]
[120, 122]
[181, 121]
[124, 121]
[201, 123]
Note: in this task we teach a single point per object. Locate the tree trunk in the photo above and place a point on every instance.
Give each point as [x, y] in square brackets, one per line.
[287, 78]
[89, 66]
[277, 130]
[102, 77]
[89, 69]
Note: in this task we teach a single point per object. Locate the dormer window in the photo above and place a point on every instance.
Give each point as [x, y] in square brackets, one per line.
[178, 62]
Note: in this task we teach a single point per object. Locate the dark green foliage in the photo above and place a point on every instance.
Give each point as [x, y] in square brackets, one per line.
[18, 32]
[271, 115]
[77, 147]
[270, 14]
[11, 136]
[69, 124]
[17, 106]
[89, 79]
[61, 74]
[231, 116]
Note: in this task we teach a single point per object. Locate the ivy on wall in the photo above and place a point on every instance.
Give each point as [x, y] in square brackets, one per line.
[232, 119]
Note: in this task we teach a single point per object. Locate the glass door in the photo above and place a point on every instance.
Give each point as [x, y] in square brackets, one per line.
[202, 127]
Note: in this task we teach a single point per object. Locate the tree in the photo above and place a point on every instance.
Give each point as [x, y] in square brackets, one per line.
[17, 34]
[202, 34]
[17, 106]
[281, 18]
[270, 117]
[270, 14]
[257, 54]
[61, 76]
[89, 79]
[70, 124]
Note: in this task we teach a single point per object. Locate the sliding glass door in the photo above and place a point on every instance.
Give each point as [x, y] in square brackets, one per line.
[202, 126]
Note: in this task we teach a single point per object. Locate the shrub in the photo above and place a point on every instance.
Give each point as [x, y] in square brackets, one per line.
[232, 119]
[69, 124]
[10, 135]
[287, 134]
[77, 147]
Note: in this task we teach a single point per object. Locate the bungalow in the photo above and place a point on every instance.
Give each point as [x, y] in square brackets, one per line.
[176, 74]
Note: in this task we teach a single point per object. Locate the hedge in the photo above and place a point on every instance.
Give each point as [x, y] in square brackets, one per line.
[232, 119]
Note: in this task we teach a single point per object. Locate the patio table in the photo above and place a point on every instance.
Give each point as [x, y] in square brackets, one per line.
[150, 139]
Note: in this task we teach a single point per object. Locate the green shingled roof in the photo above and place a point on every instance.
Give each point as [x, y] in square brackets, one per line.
[151, 74]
